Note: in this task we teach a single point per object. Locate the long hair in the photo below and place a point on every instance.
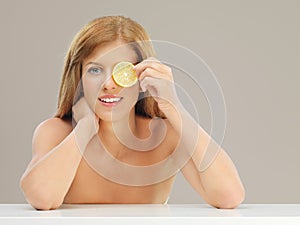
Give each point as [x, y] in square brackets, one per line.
[97, 32]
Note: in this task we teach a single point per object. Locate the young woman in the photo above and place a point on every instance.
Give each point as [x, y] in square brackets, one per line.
[113, 144]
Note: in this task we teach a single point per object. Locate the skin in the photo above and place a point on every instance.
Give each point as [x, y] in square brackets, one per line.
[58, 172]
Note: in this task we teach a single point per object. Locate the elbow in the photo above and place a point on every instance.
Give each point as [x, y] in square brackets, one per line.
[231, 203]
[231, 200]
[44, 204]
[40, 200]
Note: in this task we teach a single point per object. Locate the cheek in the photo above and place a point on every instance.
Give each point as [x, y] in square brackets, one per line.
[135, 92]
[91, 88]
[131, 94]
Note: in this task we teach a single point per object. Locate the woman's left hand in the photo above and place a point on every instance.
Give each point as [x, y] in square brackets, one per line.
[157, 78]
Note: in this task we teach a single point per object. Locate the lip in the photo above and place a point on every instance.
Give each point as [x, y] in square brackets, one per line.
[109, 104]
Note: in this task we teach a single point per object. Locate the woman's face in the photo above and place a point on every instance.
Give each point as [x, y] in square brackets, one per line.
[109, 101]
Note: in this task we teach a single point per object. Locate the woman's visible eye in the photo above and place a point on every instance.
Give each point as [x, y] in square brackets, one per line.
[95, 70]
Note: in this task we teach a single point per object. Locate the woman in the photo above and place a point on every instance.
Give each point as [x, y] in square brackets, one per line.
[143, 132]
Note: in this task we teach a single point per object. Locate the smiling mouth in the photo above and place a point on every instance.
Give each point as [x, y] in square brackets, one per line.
[110, 100]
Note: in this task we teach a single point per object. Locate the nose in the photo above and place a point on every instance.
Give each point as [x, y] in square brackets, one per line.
[109, 84]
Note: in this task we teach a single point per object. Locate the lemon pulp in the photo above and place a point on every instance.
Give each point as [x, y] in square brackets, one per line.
[124, 74]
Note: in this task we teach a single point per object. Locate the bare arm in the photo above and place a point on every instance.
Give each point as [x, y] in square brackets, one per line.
[56, 156]
[218, 183]
[209, 169]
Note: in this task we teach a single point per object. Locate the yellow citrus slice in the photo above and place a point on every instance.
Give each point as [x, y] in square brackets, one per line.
[124, 74]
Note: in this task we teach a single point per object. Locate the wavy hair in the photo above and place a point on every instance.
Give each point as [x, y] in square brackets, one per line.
[97, 32]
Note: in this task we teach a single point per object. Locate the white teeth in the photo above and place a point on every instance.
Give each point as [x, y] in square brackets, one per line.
[110, 99]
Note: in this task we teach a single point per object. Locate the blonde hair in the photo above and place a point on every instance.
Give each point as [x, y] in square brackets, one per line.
[97, 32]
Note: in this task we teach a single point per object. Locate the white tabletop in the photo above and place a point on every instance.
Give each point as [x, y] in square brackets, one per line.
[151, 214]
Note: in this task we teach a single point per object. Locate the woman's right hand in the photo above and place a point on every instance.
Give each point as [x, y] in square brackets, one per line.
[82, 112]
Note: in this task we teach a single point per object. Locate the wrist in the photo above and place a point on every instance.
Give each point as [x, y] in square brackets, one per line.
[179, 118]
[173, 112]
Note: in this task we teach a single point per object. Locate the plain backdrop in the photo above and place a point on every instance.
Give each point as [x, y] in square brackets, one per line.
[252, 47]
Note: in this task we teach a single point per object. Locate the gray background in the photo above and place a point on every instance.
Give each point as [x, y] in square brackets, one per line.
[252, 47]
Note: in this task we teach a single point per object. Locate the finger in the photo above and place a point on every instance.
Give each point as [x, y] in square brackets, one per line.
[152, 59]
[154, 64]
[149, 72]
[161, 71]
[160, 91]
[151, 84]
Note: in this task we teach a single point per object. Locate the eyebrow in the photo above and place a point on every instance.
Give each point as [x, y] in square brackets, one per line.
[98, 64]
[89, 63]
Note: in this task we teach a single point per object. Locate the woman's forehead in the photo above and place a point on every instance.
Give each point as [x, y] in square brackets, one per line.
[112, 52]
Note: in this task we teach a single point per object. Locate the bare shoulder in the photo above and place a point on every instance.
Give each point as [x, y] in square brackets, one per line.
[50, 133]
[54, 126]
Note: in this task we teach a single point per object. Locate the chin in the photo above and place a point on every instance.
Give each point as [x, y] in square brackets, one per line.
[111, 116]
[114, 114]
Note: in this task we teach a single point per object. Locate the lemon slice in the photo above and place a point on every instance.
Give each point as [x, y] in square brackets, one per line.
[124, 74]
